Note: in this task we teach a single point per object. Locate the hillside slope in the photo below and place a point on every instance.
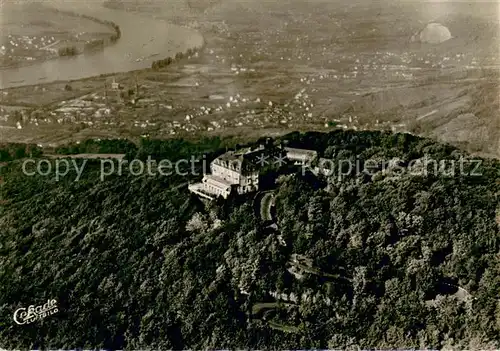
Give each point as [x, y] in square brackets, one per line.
[390, 260]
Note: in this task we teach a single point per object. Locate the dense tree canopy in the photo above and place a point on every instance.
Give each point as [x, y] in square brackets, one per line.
[385, 259]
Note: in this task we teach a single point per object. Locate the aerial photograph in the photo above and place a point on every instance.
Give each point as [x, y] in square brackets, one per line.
[249, 175]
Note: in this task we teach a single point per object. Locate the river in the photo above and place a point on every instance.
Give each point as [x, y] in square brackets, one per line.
[143, 40]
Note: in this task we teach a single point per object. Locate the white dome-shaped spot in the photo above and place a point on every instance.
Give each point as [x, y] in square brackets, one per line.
[435, 33]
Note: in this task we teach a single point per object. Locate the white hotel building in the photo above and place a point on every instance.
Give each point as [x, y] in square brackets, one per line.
[232, 170]
[239, 171]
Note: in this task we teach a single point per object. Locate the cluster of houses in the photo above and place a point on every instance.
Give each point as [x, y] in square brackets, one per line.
[22, 48]
[238, 171]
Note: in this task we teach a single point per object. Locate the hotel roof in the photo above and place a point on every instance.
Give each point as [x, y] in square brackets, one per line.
[300, 152]
[217, 181]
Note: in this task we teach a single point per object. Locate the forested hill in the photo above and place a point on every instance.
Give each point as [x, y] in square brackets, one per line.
[391, 259]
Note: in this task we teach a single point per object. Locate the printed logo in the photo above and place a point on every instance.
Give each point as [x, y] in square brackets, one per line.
[32, 313]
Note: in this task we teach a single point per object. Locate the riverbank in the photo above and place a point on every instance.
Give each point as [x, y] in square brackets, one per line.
[111, 24]
[144, 40]
[35, 33]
